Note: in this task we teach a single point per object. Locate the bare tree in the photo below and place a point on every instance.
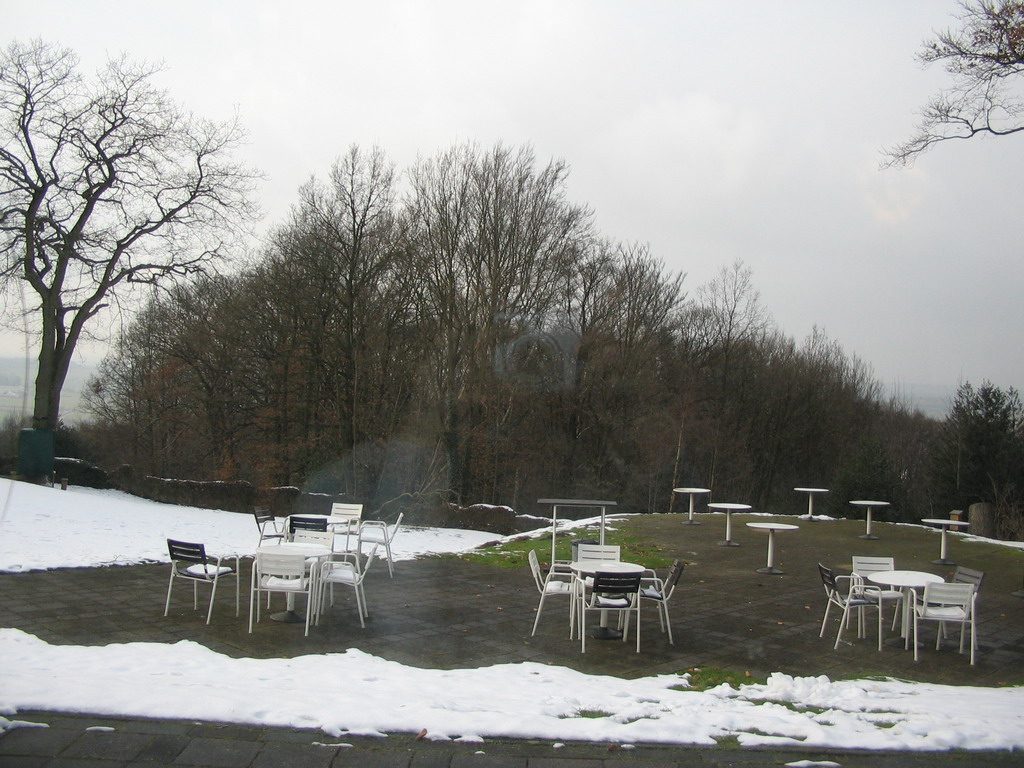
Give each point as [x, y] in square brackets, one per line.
[984, 57]
[104, 184]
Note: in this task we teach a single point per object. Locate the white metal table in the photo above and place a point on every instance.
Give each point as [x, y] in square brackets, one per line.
[728, 508]
[904, 581]
[692, 493]
[869, 506]
[945, 525]
[770, 568]
[810, 501]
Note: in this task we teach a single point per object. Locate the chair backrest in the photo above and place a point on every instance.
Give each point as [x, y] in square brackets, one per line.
[262, 516]
[945, 593]
[675, 573]
[186, 551]
[285, 565]
[350, 512]
[393, 529]
[863, 565]
[616, 583]
[538, 577]
[300, 523]
[828, 580]
[968, 576]
[304, 536]
[598, 552]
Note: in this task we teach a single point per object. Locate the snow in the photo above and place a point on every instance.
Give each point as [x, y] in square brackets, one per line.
[43, 528]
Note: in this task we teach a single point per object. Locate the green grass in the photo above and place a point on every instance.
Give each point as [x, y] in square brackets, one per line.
[702, 678]
[642, 549]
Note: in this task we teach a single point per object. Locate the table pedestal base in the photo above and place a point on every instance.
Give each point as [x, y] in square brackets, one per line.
[728, 543]
[770, 571]
[691, 522]
[868, 536]
[606, 633]
[288, 617]
[943, 561]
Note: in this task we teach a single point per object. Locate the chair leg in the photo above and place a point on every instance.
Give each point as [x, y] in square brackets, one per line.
[387, 551]
[915, 635]
[842, 622]
[167, 603]
[824, 619]
[540, 607]
[253, 599]
[668, 622]
[213, 594]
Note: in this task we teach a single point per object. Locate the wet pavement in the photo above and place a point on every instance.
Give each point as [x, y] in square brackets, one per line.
[448, 613]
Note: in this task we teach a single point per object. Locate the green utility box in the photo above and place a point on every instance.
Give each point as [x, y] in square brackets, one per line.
[35, 454]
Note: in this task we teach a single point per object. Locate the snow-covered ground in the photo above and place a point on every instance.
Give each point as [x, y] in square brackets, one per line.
[46, 528]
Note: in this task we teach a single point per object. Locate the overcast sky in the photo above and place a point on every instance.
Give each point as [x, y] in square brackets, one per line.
[711, 131]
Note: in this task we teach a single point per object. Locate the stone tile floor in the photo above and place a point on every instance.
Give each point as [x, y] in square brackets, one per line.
[446, 613]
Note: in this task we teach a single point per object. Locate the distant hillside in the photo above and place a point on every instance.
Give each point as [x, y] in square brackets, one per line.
[16, 393]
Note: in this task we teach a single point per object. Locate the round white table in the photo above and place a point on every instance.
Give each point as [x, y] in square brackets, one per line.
[770, 568]
[728, 507]
[810, 501]
[869, 506]
[289, 615]
[589, 568]
[692, 492]
[945, 525]
[904, 581]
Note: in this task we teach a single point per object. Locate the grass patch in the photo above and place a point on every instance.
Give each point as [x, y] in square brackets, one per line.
[590, 713]
[636, 548]
[704, 678]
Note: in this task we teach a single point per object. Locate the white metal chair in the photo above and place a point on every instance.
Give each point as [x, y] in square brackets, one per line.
[946, 603]
[344, 569]
[963, 575]
[284, 572]
[190, 562]
[864, 565]
[598, 552]
[855, 596]
[346, 519]
[319, 538]
[555, 583]
[618, 592]
[583, 583]
[305, 523]
[379, 532]
[659, 591]
[267, 524]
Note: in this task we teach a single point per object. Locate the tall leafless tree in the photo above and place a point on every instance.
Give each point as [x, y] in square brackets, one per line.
[104, 184]
[985, 58]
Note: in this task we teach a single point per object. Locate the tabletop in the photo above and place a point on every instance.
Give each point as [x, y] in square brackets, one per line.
[871, 503]
[605, 566]
[691, 490]
[904, 578]
[773, 526]
[727, 505]
[812, 490]
[943, 521]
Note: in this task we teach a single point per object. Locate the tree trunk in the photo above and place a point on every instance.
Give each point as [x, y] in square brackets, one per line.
[982, 520]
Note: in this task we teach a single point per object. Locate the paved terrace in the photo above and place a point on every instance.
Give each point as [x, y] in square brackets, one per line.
[447, 613]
